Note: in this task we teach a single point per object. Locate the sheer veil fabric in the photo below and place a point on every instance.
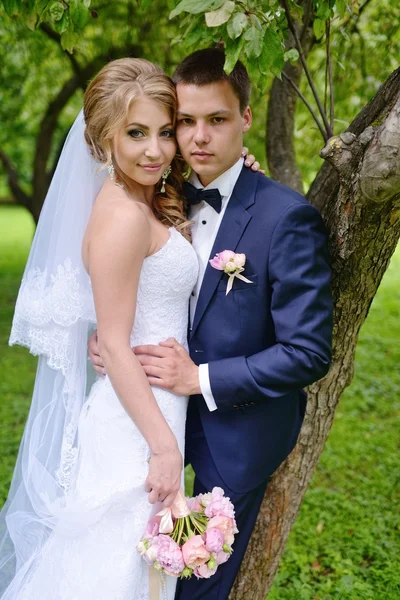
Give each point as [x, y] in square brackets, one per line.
[53, 316]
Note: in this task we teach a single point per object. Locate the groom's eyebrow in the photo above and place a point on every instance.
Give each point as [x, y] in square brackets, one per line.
[223, 111]
[147, 127]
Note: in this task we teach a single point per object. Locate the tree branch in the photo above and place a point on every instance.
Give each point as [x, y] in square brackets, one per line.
[20, 196]
[53, 35]
[308, 105]
[329, 71]
[292, 28]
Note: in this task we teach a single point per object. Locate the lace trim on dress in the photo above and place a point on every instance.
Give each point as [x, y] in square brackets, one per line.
[47, 307]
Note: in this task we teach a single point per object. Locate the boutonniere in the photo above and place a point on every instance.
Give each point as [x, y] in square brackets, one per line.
[232, 264]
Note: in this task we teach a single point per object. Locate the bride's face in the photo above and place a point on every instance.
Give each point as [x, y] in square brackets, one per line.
[146, 145]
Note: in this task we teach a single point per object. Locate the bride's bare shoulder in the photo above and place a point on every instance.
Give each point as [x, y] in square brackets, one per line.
[114, 208]
[118, 220]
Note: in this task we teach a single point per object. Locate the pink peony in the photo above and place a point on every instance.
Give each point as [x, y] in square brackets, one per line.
[169, 555]
[219, 261]
[194, 552]
[221, 557]
[226, 526]
[214, 540]
[219, 505]
[204, 571]
[194, 504]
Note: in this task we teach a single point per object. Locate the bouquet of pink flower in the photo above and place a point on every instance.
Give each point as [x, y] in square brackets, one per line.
[192, 537]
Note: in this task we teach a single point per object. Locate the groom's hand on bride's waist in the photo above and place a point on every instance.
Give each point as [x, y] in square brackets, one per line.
[169, 366]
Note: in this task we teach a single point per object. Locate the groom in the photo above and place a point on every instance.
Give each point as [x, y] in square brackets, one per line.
[251, 351]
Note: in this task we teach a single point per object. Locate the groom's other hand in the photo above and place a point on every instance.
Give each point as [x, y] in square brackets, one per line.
[169, 366]
[94, 355]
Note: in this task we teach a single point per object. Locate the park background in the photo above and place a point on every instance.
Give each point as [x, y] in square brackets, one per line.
[345, 543]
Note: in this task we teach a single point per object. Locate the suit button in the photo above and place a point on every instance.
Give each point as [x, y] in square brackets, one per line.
[235, 406]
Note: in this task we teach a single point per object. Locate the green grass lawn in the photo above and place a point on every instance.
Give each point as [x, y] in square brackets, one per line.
[346, 541]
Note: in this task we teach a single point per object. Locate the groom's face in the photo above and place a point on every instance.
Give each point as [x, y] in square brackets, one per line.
[210, 128]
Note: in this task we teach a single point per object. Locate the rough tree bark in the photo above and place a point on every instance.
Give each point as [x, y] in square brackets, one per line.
[358, 193]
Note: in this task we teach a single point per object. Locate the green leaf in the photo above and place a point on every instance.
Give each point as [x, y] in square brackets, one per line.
[233, 49]
[11, 7]
[292, 55]
[341, 6]
[195, 7]
[69, 40]
[254, 42]
[271, 59]
[63, 24]
[57, 11]
[237, 24]
[318, 28]
[221, 15]
[79, 13]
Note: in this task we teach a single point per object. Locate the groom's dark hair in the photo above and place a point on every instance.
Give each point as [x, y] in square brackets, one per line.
[207, 66]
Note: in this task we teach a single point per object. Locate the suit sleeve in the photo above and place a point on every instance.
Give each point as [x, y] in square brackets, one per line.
[301, 307]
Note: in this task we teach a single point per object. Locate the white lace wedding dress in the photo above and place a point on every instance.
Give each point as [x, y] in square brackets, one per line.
[91, 555]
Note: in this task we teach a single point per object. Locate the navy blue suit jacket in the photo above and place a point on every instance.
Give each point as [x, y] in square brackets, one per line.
[266, 340]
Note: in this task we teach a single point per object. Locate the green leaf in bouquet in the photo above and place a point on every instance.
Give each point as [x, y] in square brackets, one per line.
[254, 42]
[186, 573]
[237, 24]
[221, 15]
[195, 7]
[57, 10]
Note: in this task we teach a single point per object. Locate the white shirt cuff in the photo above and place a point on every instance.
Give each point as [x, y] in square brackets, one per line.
[205, 386]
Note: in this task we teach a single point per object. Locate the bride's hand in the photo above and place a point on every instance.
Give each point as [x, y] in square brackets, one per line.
[250, 161]
[94, 354]
[164, 479]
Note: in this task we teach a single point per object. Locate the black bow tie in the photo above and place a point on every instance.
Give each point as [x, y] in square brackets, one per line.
[195, 196]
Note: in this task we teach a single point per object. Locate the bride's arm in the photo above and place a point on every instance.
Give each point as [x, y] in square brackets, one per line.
[118, 245]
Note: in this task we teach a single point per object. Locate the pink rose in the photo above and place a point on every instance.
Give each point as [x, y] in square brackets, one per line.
[194, 552]
[226, 526]
[204, 571]
[194, 504]
[169, 555]
[214, 540]
[219, 505]
[219, 261]
[240, 260]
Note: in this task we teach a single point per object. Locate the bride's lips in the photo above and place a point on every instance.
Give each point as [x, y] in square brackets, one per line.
[151, 168]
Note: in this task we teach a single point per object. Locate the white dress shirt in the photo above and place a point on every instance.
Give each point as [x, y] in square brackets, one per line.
[204, 231]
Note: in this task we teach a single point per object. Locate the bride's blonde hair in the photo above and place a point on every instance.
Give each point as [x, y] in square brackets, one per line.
[106, 104]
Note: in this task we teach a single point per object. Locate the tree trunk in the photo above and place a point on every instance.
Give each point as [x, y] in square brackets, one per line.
[363, 220]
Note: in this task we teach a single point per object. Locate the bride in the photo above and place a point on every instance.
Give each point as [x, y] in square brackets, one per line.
[110, 252]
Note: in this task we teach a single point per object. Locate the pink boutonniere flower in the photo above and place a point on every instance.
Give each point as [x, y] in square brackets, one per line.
[232, 264]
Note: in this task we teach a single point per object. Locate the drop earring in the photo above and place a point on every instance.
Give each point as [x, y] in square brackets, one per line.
[111, 172]
[164, 177]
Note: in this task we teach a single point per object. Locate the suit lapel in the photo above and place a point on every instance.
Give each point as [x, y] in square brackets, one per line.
[233, 225]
